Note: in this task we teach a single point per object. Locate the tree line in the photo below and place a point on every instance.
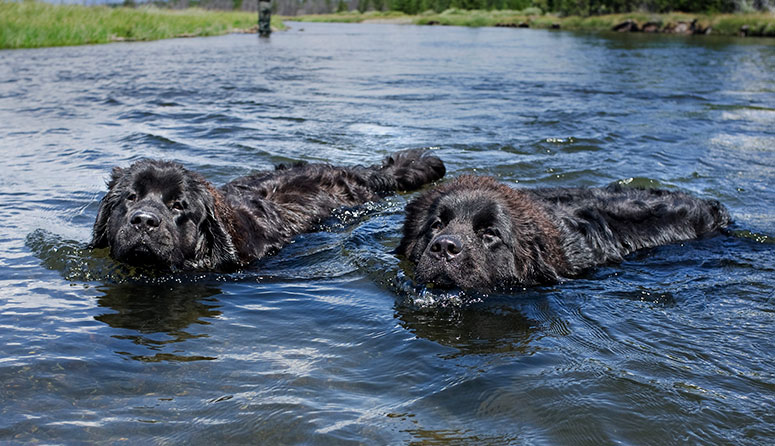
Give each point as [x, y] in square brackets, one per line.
[563, 7]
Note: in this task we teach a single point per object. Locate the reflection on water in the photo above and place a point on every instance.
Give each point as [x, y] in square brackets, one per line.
[329, 341]
[159, 315]
[472, 330]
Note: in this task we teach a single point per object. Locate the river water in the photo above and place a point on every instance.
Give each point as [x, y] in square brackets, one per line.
[328, 342]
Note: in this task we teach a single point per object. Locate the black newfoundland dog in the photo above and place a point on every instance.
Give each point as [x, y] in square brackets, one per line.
[157, 213]
[475, 233]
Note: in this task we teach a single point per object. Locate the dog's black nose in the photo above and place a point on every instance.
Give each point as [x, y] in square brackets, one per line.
[448, 246]
[145, 219]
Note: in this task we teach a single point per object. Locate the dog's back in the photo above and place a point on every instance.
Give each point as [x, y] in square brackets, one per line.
[293, 198]
[603, 225]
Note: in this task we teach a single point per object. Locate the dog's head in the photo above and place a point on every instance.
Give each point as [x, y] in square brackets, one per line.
[474, 233]
[159, 214]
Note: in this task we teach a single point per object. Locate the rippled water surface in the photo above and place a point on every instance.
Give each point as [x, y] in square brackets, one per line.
[328, 342]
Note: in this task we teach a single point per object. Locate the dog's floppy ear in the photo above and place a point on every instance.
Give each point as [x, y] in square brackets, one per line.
[216, 248]
[115, 175]
[107, 205]
[417, 214]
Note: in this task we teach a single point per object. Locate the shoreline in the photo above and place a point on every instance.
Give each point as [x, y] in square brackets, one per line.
[32, 24]
[744, 25]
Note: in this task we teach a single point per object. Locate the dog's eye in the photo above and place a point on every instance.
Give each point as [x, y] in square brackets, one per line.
[178, 205]
[131, 197]
[490, 235]
[437, 225]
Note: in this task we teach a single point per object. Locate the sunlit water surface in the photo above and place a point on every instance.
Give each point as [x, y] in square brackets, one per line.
[329, 342]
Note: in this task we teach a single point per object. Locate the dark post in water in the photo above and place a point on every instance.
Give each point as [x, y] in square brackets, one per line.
[264, 18]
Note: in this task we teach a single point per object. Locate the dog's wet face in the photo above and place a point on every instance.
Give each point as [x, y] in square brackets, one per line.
[152, 215]
[465, 241]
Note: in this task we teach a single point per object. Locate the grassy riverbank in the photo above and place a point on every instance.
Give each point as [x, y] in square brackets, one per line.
[759, 24]
[32, 24]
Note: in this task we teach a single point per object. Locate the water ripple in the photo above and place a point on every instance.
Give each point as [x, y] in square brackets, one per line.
[330, 341]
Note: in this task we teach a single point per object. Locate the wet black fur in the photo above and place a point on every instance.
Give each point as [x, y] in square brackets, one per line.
[475, 233]
[159, 213]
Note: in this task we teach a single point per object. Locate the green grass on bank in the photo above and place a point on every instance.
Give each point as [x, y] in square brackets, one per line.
[31, 24]
[759, 24]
